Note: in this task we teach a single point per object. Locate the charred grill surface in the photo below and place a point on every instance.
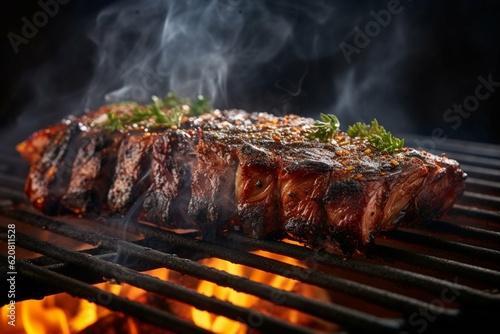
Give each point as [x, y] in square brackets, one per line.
[235, 170]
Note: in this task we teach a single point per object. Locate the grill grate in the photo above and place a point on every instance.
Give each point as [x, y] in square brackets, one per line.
[442, 275]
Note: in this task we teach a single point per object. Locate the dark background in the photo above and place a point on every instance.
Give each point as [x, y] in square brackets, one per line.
[428, 58]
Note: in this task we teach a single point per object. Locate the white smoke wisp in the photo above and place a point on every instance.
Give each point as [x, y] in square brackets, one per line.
[373, 81]
[130, 50]
[254, 54]
[188, 47]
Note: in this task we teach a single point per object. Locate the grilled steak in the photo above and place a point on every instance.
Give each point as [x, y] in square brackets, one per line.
[252, 172]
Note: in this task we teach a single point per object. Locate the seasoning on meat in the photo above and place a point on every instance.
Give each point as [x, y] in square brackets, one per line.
[226, 170]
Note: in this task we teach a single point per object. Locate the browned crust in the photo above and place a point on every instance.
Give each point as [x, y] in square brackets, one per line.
[250, 171]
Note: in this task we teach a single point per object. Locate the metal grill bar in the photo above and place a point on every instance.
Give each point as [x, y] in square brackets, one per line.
[148, 283]
[469, 211]
[116, 303]
[466, 295]
[47, 224]
[345, 316]
[457, 268]
[416, 237]
[483, 186]
[459, 146]
[13, 195]
[378, 296]
[470, 231]
[464, 230]
[493, 202]
[482, 172]
[476, 160]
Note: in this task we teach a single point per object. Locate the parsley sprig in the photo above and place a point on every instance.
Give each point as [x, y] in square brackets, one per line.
[377, 135]
[167, 112]
[326, 129]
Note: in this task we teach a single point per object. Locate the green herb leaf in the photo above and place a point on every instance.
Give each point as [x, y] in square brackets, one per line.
[377, 135]
[172, 100]
[114, 123]
[326, 129]
[200, 106]
[167, 112]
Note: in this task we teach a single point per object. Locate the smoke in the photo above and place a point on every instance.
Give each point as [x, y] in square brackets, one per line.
[372, 86]
[189, 47]
[375, 52]
[278, 56]
[131, 50]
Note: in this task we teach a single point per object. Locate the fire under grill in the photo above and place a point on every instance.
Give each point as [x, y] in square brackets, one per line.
[441, 276]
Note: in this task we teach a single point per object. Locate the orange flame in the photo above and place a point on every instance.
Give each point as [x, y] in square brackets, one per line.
[65, 314]
[62, 313]
[220, 324]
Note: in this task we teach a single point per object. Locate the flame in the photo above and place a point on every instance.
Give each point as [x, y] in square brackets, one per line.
[65, 314]
[220, 324]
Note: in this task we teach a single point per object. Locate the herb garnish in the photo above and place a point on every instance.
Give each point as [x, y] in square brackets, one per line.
[377, 135]
[167, 112]
[326, 129]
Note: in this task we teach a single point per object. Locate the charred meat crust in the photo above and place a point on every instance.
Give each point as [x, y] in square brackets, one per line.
[49, 175]
[440, 189]
[302, 191]
[85, 170]
[256, 194]
[132, 167]
[248, 171]
[212, 203]
[172, 160]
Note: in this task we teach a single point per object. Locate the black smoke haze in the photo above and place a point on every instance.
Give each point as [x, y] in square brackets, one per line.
[275, 56]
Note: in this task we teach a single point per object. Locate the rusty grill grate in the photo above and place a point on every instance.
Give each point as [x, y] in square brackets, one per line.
[442, 276]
